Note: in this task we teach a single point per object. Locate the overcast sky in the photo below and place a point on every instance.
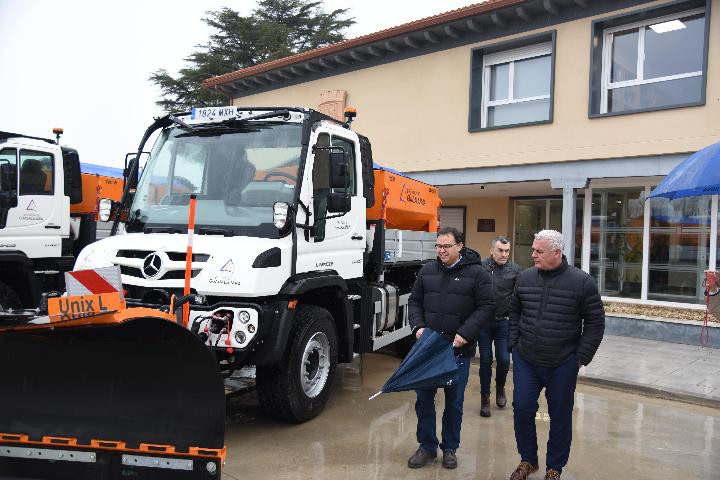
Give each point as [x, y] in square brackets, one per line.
[84, 64]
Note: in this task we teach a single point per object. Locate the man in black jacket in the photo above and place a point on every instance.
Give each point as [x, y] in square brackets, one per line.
[503, 273]
[557, 322]
[452, 296]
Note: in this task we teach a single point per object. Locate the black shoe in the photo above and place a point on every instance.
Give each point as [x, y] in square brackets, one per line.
[484, 405]
[421, 458]
[449, 459]
[500, 399]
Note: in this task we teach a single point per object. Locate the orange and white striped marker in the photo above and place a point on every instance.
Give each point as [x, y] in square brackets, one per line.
[188, 259]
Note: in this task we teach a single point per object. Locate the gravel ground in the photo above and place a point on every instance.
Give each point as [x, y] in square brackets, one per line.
[654, 311]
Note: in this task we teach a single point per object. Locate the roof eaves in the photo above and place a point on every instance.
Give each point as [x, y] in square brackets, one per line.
[423, 23]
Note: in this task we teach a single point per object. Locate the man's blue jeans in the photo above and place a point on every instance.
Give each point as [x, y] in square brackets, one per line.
[497, 333]
[559, 383]
[452, 416]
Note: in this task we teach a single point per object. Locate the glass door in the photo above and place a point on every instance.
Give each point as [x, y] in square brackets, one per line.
[531, 216]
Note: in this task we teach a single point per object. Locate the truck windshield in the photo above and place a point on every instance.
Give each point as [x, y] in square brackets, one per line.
[237, 173]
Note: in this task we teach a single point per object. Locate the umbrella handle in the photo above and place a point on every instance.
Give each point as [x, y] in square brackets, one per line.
[378, 393]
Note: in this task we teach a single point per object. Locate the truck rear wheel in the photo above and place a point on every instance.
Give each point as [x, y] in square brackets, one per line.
[296, 389]
[8, 297]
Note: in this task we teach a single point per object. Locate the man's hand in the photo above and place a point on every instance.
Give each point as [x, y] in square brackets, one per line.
[419, 332]
[459, 341]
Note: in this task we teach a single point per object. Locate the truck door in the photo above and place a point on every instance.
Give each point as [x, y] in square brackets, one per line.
[338, 240]
[40, 212]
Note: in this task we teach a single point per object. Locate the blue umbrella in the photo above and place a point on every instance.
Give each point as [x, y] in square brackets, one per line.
[430, 363]
[699, 174]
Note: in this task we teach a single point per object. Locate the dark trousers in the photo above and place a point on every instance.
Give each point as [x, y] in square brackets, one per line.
[452, 415]
[559, 383]
[497, 333]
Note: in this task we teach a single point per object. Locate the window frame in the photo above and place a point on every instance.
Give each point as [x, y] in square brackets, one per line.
[640, 26]
[649, 15]
[32, 152]
[510, 57]
[352, 158]
[477, 91]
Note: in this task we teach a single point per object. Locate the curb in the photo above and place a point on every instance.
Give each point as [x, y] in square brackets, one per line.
[663, 394]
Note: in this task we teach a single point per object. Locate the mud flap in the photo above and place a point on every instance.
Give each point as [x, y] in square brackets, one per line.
[139, 399]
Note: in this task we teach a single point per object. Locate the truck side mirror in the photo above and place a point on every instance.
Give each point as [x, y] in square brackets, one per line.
[72, 175]
[129, 168]
[338, 202]
[339, 173]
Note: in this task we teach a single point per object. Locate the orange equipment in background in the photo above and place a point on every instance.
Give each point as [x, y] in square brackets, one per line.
[98, 182]
[404, 203]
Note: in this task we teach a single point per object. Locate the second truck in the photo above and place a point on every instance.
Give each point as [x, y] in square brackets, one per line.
[304, 250]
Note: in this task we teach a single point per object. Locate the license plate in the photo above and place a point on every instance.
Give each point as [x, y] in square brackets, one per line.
[213, 114]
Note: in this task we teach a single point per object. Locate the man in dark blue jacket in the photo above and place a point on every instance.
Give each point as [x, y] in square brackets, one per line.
[557, 322]
[452, 296]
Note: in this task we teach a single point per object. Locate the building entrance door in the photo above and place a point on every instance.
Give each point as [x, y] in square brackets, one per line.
[531, 216]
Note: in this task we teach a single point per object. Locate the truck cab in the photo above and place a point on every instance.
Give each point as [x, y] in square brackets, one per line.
[39, 180]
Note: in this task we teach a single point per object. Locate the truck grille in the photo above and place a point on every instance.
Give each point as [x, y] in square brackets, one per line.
[173, 263]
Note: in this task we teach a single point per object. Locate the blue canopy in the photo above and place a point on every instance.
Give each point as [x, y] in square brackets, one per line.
[101, 170]
[699, 174]
[430, 363]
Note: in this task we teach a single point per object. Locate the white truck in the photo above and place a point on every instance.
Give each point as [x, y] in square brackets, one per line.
[304, 252]
[47, 215]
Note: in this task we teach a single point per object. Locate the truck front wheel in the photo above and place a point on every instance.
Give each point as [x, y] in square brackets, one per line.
[8, 297]
[296, 389]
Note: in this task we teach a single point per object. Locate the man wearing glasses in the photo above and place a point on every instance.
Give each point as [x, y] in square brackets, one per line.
[557, 322]
[452, 296]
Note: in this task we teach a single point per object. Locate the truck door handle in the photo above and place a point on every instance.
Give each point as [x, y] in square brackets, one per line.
[56, 227]
[357, 237]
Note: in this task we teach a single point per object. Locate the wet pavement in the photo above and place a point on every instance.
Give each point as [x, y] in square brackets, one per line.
[616, 435]
[668, 370]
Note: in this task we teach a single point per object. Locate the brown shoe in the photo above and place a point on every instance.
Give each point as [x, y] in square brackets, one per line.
[552, 474]
[421, 458]
[449, 459]
[484, 405]
[500, 399]
[523, 470]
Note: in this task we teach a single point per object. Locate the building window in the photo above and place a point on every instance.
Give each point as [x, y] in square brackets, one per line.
[616, 241]
[650, 63]
[517, 86]
[453, 217]
[679, 248]
[512, 83]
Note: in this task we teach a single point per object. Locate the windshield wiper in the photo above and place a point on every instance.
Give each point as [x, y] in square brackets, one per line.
[285, 113]
[162, 230]
[215, 231]
[181, 124]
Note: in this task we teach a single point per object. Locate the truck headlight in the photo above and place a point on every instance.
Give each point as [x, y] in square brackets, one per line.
[280, 213]
[244, 317]
[104, 209]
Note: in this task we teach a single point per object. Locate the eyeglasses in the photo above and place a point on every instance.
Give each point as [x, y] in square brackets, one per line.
[446, 246]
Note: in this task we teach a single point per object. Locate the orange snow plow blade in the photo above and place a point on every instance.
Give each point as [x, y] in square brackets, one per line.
[106, 394]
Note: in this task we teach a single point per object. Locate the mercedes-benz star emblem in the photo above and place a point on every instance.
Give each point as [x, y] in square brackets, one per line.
[152, 265]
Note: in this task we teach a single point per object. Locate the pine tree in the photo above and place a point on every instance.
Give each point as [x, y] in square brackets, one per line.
[275, 29]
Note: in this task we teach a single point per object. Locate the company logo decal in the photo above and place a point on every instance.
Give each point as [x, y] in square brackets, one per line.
[411, 195]
[31, 206]
[229, 267]
[152, 265]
